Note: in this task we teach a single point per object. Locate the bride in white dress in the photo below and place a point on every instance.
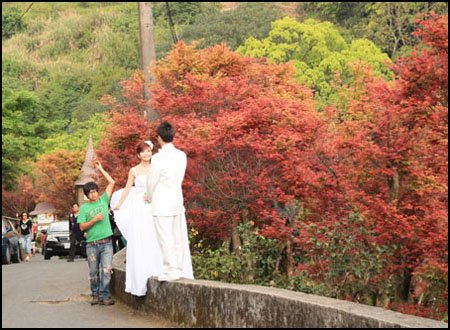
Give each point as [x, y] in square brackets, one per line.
[134, 218]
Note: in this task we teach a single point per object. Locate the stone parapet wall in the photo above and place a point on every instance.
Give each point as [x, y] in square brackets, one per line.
[199, 303]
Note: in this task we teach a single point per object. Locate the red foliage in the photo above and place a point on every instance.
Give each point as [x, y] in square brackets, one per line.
[418, 310]
[388, 155]
[55, 174]
[21, 199]
[240, 121]
[117, 150]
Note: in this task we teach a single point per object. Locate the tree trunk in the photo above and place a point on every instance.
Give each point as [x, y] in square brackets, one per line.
[235, 239]
[148, 54]
[405, 285]
[394, 186]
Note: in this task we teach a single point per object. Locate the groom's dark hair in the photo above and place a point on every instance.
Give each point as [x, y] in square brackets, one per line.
[166, 131]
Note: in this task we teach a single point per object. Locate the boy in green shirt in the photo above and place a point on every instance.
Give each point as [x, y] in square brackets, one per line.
[93, 218]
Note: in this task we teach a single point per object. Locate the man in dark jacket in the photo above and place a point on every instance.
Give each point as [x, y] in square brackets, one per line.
[76, 235]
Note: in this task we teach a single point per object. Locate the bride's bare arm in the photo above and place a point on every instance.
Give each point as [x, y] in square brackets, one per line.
[126, 190]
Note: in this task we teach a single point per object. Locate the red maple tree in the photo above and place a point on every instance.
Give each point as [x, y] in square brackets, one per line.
[387, 153]
[21, 199]
[54, 175]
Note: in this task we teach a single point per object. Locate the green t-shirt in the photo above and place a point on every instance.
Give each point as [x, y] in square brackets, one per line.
[101, 229]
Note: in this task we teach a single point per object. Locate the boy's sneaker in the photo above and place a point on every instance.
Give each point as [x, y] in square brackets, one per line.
[107, 302]
[95, 300]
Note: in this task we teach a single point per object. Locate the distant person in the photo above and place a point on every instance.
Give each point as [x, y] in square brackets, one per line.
[25, 230]
[33, 237]
[93, 218]
[76, 235]
[117, 240]
[42, 240]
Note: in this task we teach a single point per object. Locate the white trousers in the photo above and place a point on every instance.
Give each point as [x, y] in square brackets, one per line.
[169, 232]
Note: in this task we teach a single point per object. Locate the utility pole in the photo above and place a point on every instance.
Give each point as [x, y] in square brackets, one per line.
[148, 54]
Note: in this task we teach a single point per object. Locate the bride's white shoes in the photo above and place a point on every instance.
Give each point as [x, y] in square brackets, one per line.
[168, 277]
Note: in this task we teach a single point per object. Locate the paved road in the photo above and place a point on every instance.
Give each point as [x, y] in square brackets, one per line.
[55, 294]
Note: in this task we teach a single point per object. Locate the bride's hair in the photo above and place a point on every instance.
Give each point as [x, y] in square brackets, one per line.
[142, 146]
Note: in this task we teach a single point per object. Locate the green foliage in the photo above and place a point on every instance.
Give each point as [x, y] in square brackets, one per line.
[257, 260]
[303, 282]
[119, 50]
[183, 13]
[352, 263]
[12, 22]
[17, 75]
[391, 24]
[216, 264]
[105, 80]
[318, 51]
[63, 91]
[77, 134]
[309, 42]
[349, 15]
[249, 19]
[70, 56]
[24, 126]
[163, 38]
[388, 24]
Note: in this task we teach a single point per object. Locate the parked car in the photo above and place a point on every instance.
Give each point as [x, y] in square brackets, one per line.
[11, 251]
[57, 241]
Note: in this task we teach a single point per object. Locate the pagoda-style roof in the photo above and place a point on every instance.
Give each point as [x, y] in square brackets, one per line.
[42, 208]
[88, 172]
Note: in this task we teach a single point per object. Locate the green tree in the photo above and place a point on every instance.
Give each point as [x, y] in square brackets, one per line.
[77, 134]
[349, 15]
[63, 91]
[182, 13]
[388, 24]
[12, 22]
[24, 126]
[318, 51]
[249, 19]
[391, 23]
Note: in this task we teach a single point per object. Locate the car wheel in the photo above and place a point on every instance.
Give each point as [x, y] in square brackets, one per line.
[47, 255]
[7, 256]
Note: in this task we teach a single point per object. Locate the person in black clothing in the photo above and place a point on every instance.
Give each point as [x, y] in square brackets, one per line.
[25, 228]
[117, 239]
[76, 235]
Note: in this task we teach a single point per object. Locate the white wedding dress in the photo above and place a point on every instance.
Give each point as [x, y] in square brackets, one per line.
[143, 255]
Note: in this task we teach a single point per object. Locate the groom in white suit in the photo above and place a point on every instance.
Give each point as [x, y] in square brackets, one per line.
[164, 190]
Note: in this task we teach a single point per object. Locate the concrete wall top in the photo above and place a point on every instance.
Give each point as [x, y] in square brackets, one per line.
[202, 303]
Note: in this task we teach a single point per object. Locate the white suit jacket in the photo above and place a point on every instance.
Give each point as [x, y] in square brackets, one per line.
[164, 181]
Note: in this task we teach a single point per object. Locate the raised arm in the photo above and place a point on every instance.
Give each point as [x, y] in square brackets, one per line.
[126, 190]
[111, 182]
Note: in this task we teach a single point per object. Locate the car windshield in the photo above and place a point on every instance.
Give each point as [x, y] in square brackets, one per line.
[59, 226]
